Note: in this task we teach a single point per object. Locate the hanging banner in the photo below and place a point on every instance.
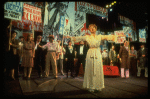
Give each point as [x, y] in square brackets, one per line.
[142, 35]
[27, 25]
[61, 27]
[91, 9]
[13, 10]
[120, 39]
[31, 13]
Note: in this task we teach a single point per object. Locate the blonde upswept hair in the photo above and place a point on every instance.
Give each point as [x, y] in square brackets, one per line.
[92, 25]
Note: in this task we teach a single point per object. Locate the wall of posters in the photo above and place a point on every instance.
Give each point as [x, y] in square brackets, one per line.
[142, 35]
[75, 18]
[53, 13]
[13, 10]
[129, 27]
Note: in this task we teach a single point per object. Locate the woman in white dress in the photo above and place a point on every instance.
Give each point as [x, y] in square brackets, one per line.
[93, 77]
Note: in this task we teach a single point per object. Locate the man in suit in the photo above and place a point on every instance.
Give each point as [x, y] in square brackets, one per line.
[81, 56]
[142, 60]
[125, 60]
[69, 58]
[39, 55]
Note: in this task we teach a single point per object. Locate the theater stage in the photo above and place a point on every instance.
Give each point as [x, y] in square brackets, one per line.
[115, 87]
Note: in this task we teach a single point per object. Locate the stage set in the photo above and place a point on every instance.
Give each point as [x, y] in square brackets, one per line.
[72, 19]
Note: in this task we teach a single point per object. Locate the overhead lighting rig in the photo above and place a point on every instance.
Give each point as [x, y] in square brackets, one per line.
[110, 5]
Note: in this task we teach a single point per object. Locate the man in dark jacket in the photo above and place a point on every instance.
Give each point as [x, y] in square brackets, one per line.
[81, 56]
[125, 60]
[69, 58]
[142, 60]
[39, 59]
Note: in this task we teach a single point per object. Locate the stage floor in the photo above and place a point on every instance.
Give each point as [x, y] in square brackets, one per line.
[115, 87]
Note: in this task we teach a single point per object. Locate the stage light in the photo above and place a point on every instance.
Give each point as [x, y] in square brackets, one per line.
[110, 5]
[107, 6]
[114, 1]
[111, 9]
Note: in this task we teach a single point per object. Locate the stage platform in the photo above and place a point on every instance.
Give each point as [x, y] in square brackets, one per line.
[115, 87]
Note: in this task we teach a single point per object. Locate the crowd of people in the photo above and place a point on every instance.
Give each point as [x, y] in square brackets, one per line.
[43, 55]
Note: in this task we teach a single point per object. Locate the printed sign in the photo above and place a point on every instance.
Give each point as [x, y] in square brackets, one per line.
[120, 39]
[13, 10]
[91, 9]
[31, 13]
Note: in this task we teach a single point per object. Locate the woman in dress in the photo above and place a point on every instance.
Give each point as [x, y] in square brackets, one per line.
[93, 77]
[28, 55]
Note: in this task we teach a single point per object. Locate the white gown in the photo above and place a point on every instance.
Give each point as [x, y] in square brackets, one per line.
[93, 76]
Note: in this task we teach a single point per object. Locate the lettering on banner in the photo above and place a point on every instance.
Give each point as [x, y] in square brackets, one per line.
[32, 13]
[13, 10]
[91, 9]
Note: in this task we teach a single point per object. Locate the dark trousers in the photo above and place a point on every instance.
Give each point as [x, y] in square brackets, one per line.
[81, 59]
[70, 66]
[39, 63]
[133, 66]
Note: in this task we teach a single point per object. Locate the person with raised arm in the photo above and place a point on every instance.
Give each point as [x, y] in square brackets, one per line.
[93, 76]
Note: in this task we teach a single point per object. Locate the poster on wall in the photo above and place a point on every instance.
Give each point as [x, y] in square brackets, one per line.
[142, 35]
[13, 10]
[31, 13]
[120, 39]
[54, 11]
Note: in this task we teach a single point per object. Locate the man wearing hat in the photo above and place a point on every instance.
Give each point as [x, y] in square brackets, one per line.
[52, 50]
[39, 57]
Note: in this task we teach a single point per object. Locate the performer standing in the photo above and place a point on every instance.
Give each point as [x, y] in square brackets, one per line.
[133, 62]
[39, 57]
[125, 60]
[81, 55]
[28, 55]
[52, 49]
[142, 60]
[14, 55]
[93, 76]
[113, 56]
[69, 58]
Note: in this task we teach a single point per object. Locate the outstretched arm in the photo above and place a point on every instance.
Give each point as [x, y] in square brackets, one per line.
[77, 38]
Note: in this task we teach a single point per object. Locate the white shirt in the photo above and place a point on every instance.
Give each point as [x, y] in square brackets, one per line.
[81, 49]
[37, 43]
[104, 54]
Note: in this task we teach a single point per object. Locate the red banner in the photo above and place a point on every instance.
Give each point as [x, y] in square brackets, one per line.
[27, 25]
[31, 13]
